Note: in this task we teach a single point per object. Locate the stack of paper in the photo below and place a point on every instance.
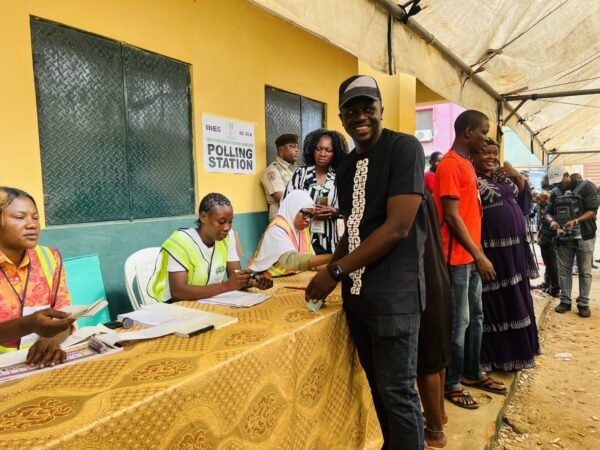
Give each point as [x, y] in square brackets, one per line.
[147, 318]
[199, 320]
[236, 299]
[78, 312]
[160, 314]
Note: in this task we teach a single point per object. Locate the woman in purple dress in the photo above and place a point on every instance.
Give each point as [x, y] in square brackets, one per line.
[510, 338]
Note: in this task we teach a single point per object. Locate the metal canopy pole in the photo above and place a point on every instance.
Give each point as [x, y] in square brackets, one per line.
[586, 152]
[514, 111]
[400, 14]
[522, 98]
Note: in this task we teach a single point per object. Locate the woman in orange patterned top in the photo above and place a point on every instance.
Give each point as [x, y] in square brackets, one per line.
[32, 277]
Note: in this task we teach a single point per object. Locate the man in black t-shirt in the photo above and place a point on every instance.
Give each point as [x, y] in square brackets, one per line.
[380, 258]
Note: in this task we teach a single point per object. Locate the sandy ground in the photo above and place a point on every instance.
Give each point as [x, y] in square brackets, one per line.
[557, 404]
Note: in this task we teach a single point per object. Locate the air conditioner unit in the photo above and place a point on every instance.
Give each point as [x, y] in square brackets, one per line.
[424, 135]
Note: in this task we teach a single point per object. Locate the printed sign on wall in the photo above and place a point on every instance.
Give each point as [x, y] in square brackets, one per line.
[228, 145]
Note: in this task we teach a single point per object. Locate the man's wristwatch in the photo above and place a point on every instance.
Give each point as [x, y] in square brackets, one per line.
[576, 221]
[335, 271]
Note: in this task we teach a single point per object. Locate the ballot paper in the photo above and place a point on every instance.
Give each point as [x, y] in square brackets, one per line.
[236, 299]
[314, 305]
[78, 311]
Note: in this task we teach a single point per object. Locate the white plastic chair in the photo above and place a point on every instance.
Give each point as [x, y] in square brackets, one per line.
[139, 267]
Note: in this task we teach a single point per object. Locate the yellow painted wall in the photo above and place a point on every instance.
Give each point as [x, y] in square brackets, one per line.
[234, 49]
[398, 94]
[425, 96]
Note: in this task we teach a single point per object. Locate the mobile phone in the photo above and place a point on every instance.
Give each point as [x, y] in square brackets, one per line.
[323, 200]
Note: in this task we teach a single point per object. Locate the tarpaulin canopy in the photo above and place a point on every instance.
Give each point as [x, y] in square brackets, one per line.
[514, 46]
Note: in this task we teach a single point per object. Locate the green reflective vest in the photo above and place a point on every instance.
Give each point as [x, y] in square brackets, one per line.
[182, 247]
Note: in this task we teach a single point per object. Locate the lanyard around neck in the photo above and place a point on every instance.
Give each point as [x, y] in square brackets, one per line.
[19, 296]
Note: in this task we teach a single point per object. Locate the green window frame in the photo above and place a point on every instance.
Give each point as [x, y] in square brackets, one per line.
[115, 128]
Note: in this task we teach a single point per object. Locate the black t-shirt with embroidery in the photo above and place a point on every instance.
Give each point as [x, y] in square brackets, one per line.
[395, 283]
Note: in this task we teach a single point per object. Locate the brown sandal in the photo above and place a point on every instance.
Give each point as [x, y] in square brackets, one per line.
[487, 384]
[455, 397]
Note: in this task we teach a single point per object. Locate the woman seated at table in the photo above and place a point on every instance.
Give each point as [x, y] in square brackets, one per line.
[32, 278]
[192, 263]
[285, 247]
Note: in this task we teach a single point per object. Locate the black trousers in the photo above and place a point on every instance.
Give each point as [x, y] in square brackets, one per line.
[387, 349]
[548, 251]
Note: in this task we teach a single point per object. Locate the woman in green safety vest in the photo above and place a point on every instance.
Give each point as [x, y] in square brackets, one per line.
[32, 279]
[193, 262]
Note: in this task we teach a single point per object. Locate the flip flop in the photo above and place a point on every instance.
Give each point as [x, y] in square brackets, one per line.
[455, 396]
[486, 384]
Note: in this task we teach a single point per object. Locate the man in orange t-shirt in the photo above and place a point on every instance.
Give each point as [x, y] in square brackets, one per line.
[457, 200]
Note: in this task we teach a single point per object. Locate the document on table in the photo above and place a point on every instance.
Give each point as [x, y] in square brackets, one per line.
[84, 333]
[162, 313]
[170, 319]
[147, 318]
[13, 365]
[201, 318]
[236, 299]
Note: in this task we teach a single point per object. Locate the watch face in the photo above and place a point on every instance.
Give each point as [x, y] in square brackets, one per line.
[336, 272]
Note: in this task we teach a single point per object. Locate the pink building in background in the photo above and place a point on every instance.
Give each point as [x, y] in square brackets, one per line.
[435, 126]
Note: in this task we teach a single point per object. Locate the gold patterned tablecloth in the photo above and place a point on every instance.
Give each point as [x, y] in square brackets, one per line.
[281, 378]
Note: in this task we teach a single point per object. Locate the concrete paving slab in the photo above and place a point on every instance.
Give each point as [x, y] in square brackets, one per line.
[476, 429]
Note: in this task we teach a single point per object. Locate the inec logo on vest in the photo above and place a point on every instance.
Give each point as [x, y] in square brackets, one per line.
[220, 270]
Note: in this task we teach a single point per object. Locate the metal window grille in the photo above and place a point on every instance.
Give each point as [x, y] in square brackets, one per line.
[290, 113]
[115, 128]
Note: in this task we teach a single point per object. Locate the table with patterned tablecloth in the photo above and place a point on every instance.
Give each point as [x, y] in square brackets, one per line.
[281, 378]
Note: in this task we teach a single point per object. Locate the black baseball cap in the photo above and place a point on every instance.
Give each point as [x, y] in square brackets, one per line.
[358, 86]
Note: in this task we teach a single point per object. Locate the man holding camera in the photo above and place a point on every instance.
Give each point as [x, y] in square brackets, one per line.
[571, 213]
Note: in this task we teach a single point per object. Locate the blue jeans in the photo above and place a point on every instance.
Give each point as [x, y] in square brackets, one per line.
[467, 326]
[566, 252]
[387, 350]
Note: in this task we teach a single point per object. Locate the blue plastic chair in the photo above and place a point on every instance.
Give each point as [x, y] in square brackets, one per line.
[84, 280]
